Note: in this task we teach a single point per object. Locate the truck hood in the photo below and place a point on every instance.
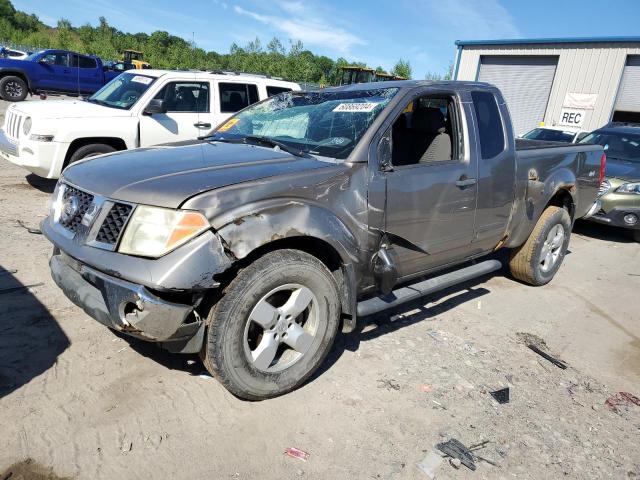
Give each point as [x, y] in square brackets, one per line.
[56, 109]
[629, 171]
[12, 63]
[168, 175]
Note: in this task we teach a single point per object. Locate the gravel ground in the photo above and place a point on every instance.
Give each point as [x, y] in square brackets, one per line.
[82, 402]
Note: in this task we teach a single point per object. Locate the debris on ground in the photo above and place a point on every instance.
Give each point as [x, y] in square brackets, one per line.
[501, 396]
[430, 464]
[426, 388]
[21, 287]
[297, 453]
[29, 229]
[388, 383]
[538, 345]
[621, 399]
[455, 449]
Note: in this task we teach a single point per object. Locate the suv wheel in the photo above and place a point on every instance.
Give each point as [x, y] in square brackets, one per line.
[539, 258]
[13, 89]
[87, 151]
[273, 326]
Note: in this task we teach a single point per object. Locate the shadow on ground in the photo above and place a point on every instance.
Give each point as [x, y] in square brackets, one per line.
[30, 338]
[45, 185]
[602, 232]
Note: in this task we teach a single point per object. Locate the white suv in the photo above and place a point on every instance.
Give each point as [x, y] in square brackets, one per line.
[136, 109]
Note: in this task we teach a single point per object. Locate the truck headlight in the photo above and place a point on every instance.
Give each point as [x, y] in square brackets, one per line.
[629, 188]
[26, 126]
[154, 231]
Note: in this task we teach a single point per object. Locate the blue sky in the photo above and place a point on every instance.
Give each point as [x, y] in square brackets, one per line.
[376, 32]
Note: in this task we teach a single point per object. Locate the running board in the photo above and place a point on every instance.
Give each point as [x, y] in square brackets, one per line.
[426, 287]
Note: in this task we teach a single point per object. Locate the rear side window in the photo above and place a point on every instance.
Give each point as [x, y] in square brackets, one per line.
[489, 124]
[236, 96]
[271, 91]
[83, 62]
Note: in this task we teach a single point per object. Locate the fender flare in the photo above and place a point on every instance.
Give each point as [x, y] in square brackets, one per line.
[21, 72]
[248, 228]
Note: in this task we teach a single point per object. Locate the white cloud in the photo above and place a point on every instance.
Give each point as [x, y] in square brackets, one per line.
[302, 23]
[473, 19]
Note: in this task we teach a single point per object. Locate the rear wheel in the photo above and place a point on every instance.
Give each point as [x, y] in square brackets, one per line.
[539, 258]
[13, 89]
[273, 326]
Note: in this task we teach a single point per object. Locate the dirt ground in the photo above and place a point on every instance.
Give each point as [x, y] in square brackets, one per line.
[78, 401]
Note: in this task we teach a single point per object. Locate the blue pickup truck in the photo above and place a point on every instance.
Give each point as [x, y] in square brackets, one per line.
[52, 71]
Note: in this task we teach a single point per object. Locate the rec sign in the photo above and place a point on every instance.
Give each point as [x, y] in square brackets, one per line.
[572, 117]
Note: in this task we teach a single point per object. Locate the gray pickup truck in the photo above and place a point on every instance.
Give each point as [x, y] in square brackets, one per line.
[255, 245]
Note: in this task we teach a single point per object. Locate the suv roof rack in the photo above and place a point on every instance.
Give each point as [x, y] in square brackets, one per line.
[230, 72]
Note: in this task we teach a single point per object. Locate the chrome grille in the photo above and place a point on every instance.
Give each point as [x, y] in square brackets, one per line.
[84, 202]
[12, 125]
[113, 223]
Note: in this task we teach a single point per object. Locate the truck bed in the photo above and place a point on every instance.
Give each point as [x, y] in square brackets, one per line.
[526, 144]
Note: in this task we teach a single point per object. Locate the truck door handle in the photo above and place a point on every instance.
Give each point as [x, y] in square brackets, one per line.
[202, 125]
[465, 182]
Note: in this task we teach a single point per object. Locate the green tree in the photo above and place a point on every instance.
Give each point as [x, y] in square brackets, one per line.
[402, 69]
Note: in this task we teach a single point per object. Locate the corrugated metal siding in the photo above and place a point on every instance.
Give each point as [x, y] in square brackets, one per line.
[582, 68]
[525, 83]
[629, 95]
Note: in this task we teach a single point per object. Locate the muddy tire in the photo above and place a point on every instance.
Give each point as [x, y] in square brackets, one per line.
[273, 326]
[13, 89]
[87, 151]
[539, 258]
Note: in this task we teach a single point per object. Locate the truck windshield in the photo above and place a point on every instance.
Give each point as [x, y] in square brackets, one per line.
[325, 123]
[123, 91]
[621, 146]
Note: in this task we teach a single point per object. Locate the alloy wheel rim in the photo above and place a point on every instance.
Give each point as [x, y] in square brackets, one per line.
[281, 328]
[551, 248]
[13, 89]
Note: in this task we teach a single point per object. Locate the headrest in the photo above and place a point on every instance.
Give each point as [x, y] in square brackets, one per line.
[428, 120]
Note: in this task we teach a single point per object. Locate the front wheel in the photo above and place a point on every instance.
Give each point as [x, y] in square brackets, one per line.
[13, 89]
[539, 258]
[273, 326]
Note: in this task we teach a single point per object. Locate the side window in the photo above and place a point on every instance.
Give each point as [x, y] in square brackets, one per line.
[426, 132]
[87, 62]
[489, 124]
[236, 96]
[59, 59]
[185, 97]
[271, 90]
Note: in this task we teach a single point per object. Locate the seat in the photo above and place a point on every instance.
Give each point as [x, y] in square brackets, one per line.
[430, 141]
[236, 102]
[185, 100]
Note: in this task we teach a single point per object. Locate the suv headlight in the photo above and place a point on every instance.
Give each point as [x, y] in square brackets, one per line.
[26, 126]
[154, 231]
[629, 188]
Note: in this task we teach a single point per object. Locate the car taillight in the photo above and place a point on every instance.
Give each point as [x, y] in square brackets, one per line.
[603, 167]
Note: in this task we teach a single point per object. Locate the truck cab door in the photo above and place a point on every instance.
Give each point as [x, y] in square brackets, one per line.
[88, 75]
[184, 103]
[56, 73]
[431, 183]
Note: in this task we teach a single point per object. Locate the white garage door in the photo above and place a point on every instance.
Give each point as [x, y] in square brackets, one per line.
[629, 93]
[525, 83]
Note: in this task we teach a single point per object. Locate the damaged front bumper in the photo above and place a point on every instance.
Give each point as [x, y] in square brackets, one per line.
[127, 307]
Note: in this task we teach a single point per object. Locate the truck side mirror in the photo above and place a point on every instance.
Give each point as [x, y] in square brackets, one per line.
[155, 106]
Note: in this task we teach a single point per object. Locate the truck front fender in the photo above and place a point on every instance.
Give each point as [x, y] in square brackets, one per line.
[256, 225]
[18, 72]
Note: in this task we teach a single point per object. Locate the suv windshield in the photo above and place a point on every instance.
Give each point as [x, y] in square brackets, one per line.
[329, 124]
[621, 146]
[550, 135]
[123, 91]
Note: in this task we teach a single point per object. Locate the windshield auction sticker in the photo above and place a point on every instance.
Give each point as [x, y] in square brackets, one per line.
[141, 79]
[356, 107]
[229, 124]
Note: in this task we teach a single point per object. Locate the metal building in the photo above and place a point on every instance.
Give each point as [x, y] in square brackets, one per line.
[578, 83]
